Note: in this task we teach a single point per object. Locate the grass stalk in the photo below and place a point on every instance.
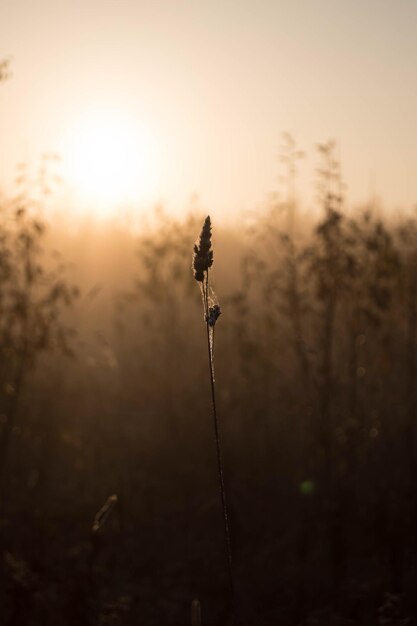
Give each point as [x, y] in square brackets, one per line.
[202, 261]
[210, 348]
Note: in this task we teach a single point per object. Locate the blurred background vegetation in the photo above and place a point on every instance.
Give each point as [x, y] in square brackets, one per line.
[104, 390]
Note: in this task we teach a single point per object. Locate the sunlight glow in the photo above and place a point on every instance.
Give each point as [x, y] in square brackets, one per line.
[110, 160]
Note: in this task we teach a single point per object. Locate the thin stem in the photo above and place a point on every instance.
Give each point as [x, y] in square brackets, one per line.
[210, 346]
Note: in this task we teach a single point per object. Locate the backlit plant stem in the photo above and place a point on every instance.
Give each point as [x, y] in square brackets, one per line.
[210, 348]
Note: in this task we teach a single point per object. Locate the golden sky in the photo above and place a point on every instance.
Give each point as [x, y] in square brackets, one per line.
[197, 94]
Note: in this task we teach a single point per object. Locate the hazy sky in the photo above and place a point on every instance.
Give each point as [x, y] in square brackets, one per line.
[214, 83]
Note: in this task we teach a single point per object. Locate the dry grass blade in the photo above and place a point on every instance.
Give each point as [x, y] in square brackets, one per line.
[103, 514]
[196, 613]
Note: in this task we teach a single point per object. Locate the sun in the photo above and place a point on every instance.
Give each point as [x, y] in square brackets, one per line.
[109, 160]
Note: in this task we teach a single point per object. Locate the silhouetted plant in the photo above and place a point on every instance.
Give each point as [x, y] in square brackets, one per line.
[290, 155]
[32, 300]
[202, 262]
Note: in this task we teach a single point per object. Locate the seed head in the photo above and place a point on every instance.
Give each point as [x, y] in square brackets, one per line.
[213, 315]
[203, 254]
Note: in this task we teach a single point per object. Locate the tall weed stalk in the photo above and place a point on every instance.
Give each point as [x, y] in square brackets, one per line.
[202, 261]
